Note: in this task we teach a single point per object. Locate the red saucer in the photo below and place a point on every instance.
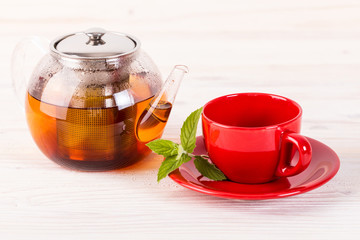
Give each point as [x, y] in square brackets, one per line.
[324, 166]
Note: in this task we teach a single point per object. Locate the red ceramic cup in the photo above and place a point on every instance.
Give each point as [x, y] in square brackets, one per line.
[252, 137]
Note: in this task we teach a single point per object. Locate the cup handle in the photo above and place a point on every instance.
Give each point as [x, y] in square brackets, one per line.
[286, 151]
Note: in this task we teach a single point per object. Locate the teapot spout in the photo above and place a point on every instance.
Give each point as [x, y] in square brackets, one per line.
[171, 86]
[152, 121]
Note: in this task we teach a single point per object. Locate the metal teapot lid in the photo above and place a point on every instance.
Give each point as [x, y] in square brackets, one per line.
[95, 43]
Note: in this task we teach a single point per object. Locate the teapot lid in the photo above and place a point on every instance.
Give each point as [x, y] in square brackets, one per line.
[95, 43]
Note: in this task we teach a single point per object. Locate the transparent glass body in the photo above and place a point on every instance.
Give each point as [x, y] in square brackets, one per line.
[84, 114]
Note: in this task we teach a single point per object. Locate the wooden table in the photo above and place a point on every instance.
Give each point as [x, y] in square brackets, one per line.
[306, 50]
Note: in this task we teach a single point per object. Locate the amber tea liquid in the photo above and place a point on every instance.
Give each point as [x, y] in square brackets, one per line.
[152, 121]
[95, 139]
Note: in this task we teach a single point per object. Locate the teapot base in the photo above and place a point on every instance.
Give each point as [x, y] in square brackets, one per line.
[101, 165]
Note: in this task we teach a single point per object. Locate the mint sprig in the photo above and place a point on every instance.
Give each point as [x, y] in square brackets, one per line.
[188, 131]
[207, 169]
[163, 147]
[177, 154]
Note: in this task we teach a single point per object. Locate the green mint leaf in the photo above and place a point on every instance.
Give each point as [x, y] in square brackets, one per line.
[163, 147]
[207, 169]
[188, 131]
[170, 164]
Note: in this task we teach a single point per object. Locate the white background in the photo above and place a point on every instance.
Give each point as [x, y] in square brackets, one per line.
[306, 50]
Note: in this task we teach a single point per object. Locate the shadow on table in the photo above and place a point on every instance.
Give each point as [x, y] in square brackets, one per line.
[150, 162]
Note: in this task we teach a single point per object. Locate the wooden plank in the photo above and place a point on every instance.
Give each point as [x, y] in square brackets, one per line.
[306, 50]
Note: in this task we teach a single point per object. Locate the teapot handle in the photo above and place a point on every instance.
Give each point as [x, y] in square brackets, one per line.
[25, 57]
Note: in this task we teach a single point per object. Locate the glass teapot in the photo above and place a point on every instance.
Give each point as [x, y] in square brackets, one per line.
[94, 99]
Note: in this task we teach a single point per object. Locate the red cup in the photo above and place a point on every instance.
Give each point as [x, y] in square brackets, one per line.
[253, 137]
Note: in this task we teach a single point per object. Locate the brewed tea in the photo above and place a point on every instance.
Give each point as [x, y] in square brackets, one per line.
[87, 138]
[152, 121]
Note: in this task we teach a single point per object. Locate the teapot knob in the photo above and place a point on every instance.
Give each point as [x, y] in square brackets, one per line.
[95, 35]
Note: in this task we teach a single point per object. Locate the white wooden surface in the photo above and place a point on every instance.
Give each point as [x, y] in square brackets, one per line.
[306, 50]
